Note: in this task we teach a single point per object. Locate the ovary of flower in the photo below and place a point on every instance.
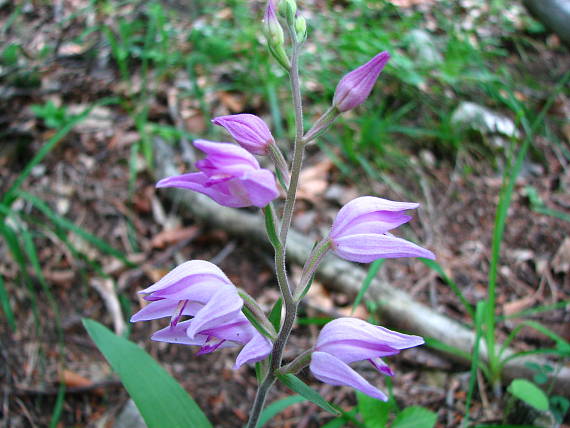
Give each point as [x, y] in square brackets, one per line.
[230, 175]
[347, 340]
[354, 87]
[360, 232]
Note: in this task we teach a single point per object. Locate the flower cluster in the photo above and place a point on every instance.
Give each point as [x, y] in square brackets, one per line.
[205, 308]
[199, 289]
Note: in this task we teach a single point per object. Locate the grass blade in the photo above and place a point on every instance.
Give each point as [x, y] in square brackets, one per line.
[69, 225]
[6, 307]
[432, 264]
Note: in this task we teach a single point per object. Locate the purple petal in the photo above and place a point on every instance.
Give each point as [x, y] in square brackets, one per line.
[365, 205]
[261, 187]
[191, 272]
[331, 370]
[239, 330]
[224, 307]
[381, 366]
[365, 248]
[378, 222]
[352, 339]
[163, 308]
[226, 157]
[354, 87]
[177, 335]
[257, 349]
[248, 130]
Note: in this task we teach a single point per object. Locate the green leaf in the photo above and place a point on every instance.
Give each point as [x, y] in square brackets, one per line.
[297, 385]
[372, 271]
[415, 417]
[163, 403]
[374, 412]
[528, 392]
[277, 407]
[275, 314]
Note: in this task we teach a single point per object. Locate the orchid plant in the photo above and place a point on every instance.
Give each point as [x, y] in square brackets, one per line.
[207, 310]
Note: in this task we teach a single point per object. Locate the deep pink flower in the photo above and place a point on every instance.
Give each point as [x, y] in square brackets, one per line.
[354, 87]
[347, 340]
[230, 175]
[360, 231]
[249, 131]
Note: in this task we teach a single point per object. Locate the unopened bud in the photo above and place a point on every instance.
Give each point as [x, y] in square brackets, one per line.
[301, 29]
[355, 86]
[287, 9]
[272, 28]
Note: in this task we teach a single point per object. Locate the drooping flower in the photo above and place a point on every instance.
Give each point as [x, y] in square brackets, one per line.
[347, 340]
[199, 289]
[360, 231]
[230, 175]
[249, 131]
[354, 87]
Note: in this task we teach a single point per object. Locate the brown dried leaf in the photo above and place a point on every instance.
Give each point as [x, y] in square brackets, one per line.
[172, 236]
[561, 261]
[74, 380]
[234, 102]
[313, 181]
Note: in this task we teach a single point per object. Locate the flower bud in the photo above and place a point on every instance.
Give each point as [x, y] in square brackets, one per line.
[287, 9]
[301, 29]
[275, 37]
[248, 130]
[273, 30]
[354, 87]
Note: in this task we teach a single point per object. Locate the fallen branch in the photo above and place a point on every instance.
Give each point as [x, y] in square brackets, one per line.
[396, 306]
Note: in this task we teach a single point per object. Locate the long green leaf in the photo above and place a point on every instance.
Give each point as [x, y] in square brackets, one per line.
[277, 407]
[297, 385]
[163, 403]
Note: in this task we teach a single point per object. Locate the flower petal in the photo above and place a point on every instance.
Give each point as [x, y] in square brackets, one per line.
[177, 335]
[257, 349]
[365, 248]
[364, 205]
[224, 307]
[191, 272]
[329, 369]
[163, 308]
[248, 130]
[226, 157]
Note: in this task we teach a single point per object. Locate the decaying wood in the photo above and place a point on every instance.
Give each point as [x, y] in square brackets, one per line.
[396, 306]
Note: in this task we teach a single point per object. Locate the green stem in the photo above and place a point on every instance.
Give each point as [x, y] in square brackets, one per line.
[291, 305]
